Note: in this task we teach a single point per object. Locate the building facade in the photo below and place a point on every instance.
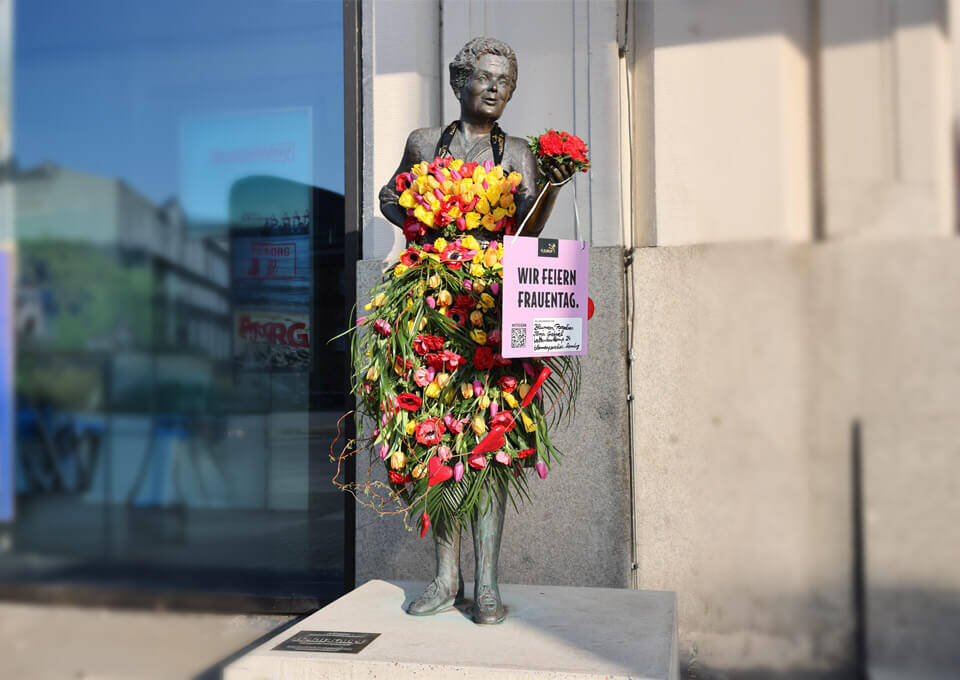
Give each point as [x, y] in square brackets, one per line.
[767, 420]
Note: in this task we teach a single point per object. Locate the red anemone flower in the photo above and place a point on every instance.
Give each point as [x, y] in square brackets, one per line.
[408, 401]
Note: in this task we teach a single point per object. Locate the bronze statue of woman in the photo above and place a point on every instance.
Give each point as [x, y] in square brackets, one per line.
[483, 76]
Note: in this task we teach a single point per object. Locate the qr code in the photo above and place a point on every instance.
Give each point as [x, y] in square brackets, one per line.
[518, 335]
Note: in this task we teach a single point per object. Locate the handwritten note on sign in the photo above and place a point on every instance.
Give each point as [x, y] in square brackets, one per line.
[544, 297]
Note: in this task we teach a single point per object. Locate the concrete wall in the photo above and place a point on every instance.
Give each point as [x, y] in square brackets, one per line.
[753, 362]
[576, 530]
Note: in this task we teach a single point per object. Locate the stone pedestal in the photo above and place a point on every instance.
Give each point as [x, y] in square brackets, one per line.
[551, 632]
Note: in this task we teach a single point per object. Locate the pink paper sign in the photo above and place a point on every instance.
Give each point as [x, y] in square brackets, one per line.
[544, 297]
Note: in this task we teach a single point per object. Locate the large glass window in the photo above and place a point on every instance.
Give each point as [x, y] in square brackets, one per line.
[178, 177]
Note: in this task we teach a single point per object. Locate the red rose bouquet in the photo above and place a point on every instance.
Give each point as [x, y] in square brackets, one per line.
[559, 150]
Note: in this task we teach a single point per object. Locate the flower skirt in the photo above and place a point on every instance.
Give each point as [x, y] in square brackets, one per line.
[447, 414]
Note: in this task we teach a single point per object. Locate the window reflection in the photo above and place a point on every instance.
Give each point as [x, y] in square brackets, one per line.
[171, 353]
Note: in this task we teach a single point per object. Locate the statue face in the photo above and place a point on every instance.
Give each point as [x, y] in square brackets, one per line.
[486, 93]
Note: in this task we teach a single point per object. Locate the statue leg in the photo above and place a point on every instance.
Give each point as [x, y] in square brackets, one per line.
[487, 531]
[447, 588]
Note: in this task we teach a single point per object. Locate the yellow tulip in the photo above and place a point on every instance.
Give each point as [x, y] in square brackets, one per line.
[397, 460]
[478, 425]
[490, 257]
[478, 174]
[423, 215]
[486, 301]
[442, 379]
[440, 244]
[478, 285]
[522, 389]
[433, 281]
[511, 210]
[432, 181]
[473, 220]
[444, 298]
[499, 214]
[482, 206]
[476, 270]
[478, 336]
[411, 427]
[476, 318]
[419, 471]
[380, 299]
[368, 306]
[466, 390]
[496, 173]
[406, 199]
[456, 165]
[506, 200]
[515, 178]
[510, 399]
[448, 396]
[493, 195]
[432, 391]
[400, 270]
[423, 323]
[528, 424]
[373, 373]
[420, 169]
[466, 194]
[484, 401]
[470, 243]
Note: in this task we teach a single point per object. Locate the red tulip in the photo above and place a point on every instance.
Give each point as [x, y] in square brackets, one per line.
[424, 524]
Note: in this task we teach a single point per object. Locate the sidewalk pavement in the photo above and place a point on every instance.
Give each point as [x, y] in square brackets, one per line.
[43, 642]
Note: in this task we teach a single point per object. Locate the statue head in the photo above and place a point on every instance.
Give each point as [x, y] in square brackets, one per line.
[483, 76]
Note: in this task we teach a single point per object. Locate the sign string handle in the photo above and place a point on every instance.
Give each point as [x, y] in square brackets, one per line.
[536, 202]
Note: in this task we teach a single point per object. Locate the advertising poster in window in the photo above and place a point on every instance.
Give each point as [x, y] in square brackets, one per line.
[271, 274]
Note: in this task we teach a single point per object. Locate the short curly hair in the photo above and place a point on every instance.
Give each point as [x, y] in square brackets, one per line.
[464, 64]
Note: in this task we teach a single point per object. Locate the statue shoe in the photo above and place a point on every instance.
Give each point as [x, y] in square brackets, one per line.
[435, 598]
[488, 608]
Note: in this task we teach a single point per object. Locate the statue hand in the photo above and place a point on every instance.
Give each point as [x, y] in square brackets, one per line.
[555, 171]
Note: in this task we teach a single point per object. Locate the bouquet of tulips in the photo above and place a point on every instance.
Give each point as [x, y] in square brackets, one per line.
[453, 197]
[448, 413]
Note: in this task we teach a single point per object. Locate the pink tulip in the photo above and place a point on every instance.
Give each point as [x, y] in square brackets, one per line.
[542, 469]
[485, 185]
[477, 388]
[493, 337]
[438, 194]
[444, 453]
[383, 419]
[461, 224]
[494, 407]
[457, 472]
[468, 284]
[502, 457]
[455, 175]
[431, 374]
[384, 450]
[488, 165]
[431, 302]
[447, 420]
[495, 288]
[361, 320]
